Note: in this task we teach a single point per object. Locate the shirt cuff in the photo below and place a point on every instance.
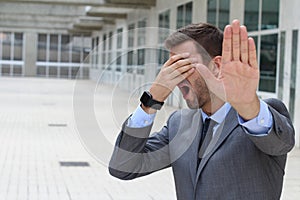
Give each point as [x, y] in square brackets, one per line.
[140, 119]
[260, 125]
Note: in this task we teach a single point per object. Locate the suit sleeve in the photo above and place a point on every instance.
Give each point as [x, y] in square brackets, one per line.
[281, 138]
[137, 154]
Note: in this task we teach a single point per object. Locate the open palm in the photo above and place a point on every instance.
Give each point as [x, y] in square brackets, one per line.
[238, 76]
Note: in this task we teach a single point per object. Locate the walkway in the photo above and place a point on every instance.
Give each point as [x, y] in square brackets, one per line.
[42, 156]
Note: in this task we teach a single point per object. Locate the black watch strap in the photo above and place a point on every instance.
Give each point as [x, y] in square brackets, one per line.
[147, 100]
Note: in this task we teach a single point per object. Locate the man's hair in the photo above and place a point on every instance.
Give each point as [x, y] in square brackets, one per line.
[209, 38]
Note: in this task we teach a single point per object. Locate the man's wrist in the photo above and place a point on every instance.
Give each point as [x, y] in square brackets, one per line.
[148, 110]
[248, 111]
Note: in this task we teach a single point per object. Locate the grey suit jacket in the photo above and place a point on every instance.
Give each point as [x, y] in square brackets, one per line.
[237, 165]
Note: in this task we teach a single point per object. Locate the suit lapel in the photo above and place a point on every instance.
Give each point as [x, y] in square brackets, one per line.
[224, 130]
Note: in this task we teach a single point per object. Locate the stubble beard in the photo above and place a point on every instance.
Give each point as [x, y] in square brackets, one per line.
[200, 96]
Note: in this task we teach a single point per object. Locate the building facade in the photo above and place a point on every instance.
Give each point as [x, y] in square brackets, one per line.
[130, 53]
[121, 42]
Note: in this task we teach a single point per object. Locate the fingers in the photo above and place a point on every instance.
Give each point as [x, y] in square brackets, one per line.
[179, 65]
[244, 44]
[237, 46]
[252, 53]
[227, 48]
[175, 58]
[235, 40]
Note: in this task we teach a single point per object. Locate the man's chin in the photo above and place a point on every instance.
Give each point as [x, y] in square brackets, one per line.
[192, 104]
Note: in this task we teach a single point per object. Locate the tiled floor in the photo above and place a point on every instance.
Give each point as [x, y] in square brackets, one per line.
[40, 123]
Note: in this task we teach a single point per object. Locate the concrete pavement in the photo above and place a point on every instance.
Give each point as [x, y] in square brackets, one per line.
[38, 133]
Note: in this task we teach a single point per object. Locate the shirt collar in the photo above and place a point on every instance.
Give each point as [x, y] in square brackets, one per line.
[218, 116]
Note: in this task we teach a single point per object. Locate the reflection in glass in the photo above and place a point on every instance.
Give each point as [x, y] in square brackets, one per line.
[251, 14]
[270, 14]
[268, 56]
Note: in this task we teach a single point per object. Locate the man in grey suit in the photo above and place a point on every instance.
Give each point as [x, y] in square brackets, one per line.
[230, 144]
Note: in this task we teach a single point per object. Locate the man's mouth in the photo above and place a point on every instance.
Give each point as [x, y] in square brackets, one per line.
[184, 88]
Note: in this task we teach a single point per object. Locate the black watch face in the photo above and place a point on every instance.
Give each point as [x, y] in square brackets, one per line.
[147, 101]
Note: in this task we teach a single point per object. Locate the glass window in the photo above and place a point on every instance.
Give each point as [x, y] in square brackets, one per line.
[270, 14]
[53, 48]
[163, 56]
[86, 47]
[103, 56]
[17, 70]
[131, 35]
[119, 59]
[110, 39]
[142, 32]
[164, 26]
[52, 71]
[130, 58]
[104, 42]
[141, 56]
[42, 47]
[218, 12]
[211, 11]
[180, 16]
[223, 18]
[184, 14]
[97, 52]
[5, 70]
[251, 14]
[6, 46]
[293, 73]
[65, 48]
[76, 49]
[268, 59]
[119, 38]
[18, 46]
[269, 11]
[281, 65]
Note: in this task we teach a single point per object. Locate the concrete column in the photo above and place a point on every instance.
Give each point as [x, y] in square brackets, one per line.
[30, 54]
[199, 11]
[237, 10]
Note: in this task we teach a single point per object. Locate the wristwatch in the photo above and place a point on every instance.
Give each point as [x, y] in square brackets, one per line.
[147, 100]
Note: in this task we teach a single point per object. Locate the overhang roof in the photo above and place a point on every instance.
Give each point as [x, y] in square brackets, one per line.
[74, 16]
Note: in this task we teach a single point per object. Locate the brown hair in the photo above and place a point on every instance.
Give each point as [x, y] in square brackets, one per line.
[209, 38]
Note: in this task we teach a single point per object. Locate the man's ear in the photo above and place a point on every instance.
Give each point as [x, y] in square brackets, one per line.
[215, 65]
[217, 60]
